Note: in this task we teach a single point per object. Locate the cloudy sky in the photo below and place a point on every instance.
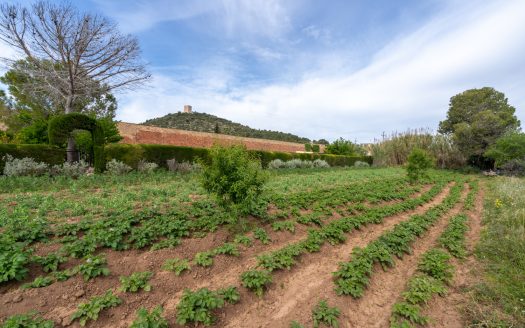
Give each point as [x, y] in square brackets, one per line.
[321, 69]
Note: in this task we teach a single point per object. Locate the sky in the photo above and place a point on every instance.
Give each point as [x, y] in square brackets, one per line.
[320, 69]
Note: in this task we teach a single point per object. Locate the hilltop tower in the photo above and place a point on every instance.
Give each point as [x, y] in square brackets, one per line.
[187, 108]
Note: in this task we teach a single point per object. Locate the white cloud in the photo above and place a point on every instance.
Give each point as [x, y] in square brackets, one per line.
[407, 84]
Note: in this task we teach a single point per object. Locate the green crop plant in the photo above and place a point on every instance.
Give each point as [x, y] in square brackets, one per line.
[151, 319]
[204, 259]
[50, 262]
[39, 282]
[91, 310]
[435, 264]
[453, 238]
[27, 320]
[94, 266]
[227, 249]
[284, 225]
[196, 307]
[326, 315]
[243, 240]
[262, 235]
[256, 280]
[176, 265]
[135, 282]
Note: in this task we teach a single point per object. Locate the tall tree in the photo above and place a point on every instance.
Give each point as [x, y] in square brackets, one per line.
[72, 55]
[476, 118]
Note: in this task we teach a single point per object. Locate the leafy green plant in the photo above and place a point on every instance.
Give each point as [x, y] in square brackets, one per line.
[419, 161]
[39, 282]
[135, 282]
[13, 259]
[176, 265]
[90, 310]
[323, 314]
[435, 264]
[27, 320]
[283, 225]
[421, 288]
[166, 243]
[262, 235]
[235, 176]
[93, 267]
[151, 319]
[453, 238]
[409, 311]
[50, 262]
[256, 280]
[295, 324]
[197, 306]
[204, 259]
[242, 239]
[65, 274]
[227, 249]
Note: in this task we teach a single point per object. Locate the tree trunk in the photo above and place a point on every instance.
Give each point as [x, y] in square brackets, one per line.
[71, 150]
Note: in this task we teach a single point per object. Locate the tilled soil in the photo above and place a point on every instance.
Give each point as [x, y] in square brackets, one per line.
[291, 296]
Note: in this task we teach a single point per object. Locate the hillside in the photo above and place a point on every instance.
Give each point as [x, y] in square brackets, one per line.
[203, 122]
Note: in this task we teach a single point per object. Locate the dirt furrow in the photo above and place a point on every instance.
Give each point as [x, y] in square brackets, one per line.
[446, 311]
[293, 293]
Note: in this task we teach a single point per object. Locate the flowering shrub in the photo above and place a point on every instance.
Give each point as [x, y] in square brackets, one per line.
[115, 167]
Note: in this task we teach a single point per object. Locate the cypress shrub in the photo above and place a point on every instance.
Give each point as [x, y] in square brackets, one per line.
[315, 148]
[307, 147]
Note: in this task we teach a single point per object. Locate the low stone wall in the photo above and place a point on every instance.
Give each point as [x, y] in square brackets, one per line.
[143, 134]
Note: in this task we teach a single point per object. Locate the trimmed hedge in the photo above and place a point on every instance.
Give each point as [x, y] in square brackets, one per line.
[132, 154]
[41, 153]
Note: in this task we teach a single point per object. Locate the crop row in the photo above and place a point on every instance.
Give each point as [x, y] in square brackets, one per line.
[353, 276]
[334, 233]
[433, 274]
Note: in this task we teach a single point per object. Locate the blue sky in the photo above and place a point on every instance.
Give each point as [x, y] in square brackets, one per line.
[321, 69]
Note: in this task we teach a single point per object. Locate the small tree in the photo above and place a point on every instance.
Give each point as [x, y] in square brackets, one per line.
[234, 176]
[507, 148]
[419, 161]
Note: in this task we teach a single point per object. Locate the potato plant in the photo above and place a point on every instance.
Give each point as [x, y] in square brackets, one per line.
[91, 310]
[153, 319]
[326, 315]
[256, 281]
[197, 307]
[177, 265]
[135, 282]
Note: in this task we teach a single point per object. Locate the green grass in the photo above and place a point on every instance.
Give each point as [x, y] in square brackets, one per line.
[500, 295]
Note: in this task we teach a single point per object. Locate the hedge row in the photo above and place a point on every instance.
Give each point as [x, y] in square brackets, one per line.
[132, 154]
[41, 153]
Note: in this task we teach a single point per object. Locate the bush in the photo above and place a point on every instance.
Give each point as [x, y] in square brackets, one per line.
[40, 153]
[321, 163]
[72, 170]
[234, 176]
[419, 161]
[276, 164]
[507, 148]
[514, 167]
[308, 147]
[146, 167]
[360, 164]
[115, 167]
[183, 167]
[316, 148]
[24, 167]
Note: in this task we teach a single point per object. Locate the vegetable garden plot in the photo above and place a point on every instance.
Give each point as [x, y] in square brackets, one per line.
[132, 234]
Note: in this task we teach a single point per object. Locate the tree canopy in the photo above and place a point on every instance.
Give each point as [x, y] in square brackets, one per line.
[477, 118]
[344, 147]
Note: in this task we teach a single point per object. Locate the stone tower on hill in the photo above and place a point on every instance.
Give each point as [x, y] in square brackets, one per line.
[187, 109]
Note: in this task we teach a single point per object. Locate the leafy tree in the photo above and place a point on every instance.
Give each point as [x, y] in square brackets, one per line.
[477, 118]
[419, 161]
[509, 147]
[344, 147]
[234, 176]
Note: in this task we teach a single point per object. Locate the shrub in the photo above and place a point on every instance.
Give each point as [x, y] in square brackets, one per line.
[24, 167]
[308, 147]
[72, 170]
[146, 167]
[234, 176]
[361, 164]
[115, 167]
[514, 167]
[507, 148]
[419, 161]
[183, 167]
[316, 148]
[40, 153]
[151, 319]
[276, 164]
[320, 163]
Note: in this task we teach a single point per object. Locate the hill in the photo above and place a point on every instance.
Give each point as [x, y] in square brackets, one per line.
[203, 122]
